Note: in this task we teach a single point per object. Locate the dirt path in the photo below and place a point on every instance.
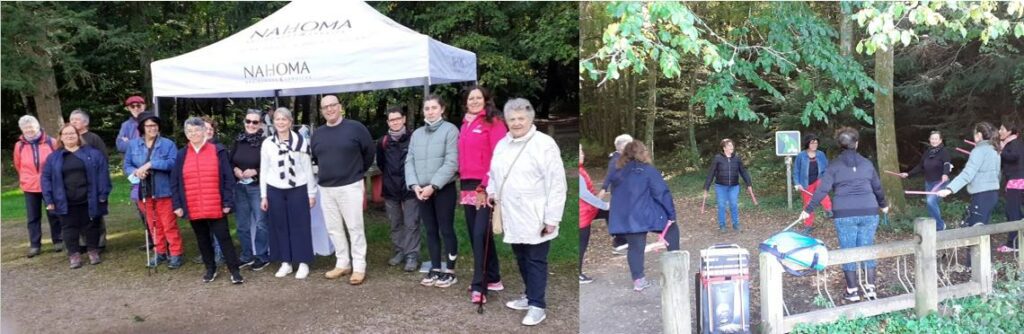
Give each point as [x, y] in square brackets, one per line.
[609, 304]
[41, 295]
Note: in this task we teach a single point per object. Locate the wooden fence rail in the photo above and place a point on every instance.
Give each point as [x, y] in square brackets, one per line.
[927, 294]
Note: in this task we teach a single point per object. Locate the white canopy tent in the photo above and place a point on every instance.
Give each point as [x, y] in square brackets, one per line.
[313, 47]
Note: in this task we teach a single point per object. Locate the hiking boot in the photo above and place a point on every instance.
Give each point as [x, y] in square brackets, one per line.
[411, 264]
[198, 259]
[520, 304]
[430, 278]
[175, 262]
[534, 316]
[737, 229]
[236, 277]
[156, 259]
[76, 260]
[357, 278]
[851, 295]
[94, 257]
[640, 284]
[211, 274]
[495, 286]
[32, 252]
[259, 265]
[584, 279]
[476, 297]
[722, 230]
[396, 259]
[58, 247]
[337, 273]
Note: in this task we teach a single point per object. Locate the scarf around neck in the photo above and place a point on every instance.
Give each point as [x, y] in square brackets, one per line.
[285, 158]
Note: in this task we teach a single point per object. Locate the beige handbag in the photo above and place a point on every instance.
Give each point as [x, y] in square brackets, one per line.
[496, 226]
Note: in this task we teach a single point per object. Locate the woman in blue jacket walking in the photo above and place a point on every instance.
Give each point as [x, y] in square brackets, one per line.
[638, 186]
[76, 184]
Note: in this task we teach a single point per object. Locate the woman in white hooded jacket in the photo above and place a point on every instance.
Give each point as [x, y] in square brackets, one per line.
[528, 183]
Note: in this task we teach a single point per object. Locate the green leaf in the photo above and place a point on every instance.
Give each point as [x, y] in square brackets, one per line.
[1018, 30]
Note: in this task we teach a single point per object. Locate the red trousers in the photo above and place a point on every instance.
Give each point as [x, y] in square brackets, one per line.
[825, 203]
[163, 225]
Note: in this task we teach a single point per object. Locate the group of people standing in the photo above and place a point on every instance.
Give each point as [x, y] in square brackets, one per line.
[855, 202]
[495, 164]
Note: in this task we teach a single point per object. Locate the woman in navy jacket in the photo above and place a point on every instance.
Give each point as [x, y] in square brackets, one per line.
[638, 186]
[75, 184]
[808, 168]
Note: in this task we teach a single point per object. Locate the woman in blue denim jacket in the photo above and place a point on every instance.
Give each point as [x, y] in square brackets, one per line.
[148, 161]
[808, 168]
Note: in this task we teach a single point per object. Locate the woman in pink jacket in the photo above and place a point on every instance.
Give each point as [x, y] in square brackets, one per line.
[482, 128]
[30, 153]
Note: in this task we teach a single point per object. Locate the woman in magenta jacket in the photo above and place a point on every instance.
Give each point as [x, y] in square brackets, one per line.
[482, 128]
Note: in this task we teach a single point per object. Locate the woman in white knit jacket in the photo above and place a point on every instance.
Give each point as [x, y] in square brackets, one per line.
[287, 192]
[528, 182]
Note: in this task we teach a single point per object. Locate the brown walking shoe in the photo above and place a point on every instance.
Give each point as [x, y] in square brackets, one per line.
[357, 278]
[94, 257]
[338, 272]
[76, 260]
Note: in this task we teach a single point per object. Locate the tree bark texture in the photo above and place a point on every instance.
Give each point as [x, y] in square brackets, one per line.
[885, 130]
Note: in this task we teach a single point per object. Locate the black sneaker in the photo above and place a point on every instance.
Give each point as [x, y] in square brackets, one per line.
[430, 278]
[246, 264]
[259, 265]
[446, 280]
[851, 295]
[584, 279]
[869, 292]
[236, 278]
[210, 276]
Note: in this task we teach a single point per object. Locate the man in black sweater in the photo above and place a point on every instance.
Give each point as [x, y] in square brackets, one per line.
[343, 149]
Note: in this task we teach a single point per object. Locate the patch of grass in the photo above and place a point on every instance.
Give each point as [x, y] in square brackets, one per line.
[1000, 312]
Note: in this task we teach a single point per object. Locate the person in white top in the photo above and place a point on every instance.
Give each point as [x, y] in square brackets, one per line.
[528, 183]
[287, 192]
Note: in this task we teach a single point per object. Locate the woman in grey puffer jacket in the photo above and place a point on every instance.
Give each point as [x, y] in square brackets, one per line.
[430, 168]
[980, 175]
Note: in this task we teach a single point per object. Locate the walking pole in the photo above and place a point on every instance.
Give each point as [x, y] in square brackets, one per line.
[752, 197]
[702, 202]
[145, 220]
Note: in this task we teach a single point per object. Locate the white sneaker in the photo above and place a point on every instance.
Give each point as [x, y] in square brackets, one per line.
[519, 304]
[302, 272]
[534, 316]
[284, 271]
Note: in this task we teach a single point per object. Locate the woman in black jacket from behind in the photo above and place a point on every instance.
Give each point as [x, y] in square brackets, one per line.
[1012, 164]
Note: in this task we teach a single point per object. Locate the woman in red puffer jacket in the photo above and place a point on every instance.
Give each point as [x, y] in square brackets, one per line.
[590, 204]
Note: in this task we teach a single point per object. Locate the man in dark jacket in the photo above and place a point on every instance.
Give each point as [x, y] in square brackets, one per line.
[400, 202]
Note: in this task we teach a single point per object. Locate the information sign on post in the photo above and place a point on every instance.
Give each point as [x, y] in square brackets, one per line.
[787, 144]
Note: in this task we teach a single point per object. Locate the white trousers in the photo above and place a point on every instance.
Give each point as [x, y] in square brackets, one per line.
[343, 210]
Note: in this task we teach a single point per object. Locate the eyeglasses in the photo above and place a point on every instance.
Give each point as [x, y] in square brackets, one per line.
[152, 126]
[332, 105]
[136, 105]
[249, 121]
[396, 119]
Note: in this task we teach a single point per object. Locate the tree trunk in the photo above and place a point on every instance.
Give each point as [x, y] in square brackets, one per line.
[631, 104]
[845, 29]
[47, 98]
[652, 107]
[885, 130]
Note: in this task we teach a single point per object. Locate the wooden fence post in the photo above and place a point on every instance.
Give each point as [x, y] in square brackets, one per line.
[675, 296]
[981, 264]
[771, 294]
[926, 277]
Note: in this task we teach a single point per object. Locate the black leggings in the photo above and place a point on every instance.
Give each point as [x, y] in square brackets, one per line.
[1013, 213]
[584, 242]
[76, 222]
[438, 214]
[478, 222]
[219, 228]
[638, 243]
